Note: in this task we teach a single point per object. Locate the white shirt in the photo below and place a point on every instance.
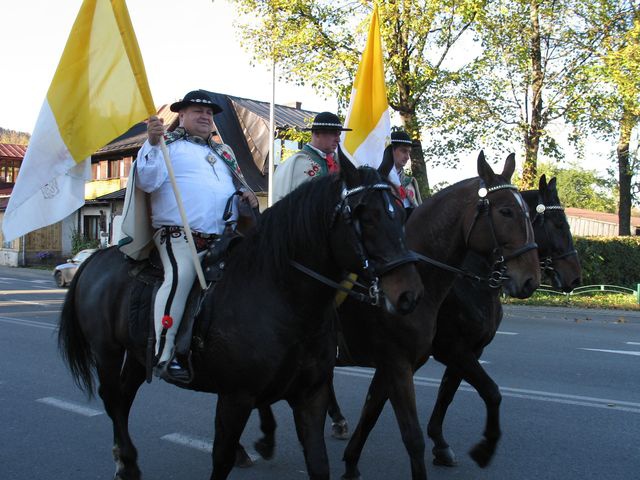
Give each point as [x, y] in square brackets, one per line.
[205, 188]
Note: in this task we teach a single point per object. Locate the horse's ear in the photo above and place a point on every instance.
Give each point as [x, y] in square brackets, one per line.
[387, 162]
[552, 184]
[484, 169]
[542, 183]
[348, 171]
[509, 166]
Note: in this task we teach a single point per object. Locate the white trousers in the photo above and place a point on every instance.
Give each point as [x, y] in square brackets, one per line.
[179, 275]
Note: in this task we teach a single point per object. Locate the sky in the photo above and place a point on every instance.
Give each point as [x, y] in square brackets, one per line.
[186, 45]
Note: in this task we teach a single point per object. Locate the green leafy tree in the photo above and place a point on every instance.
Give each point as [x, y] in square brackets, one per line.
[525, 81]
[610, 106]
[318, 43]
[580, 188]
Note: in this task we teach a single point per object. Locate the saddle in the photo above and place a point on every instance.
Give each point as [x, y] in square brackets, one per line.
[147, 276]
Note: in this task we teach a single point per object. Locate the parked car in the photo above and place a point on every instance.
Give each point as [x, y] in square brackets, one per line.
[64, 273]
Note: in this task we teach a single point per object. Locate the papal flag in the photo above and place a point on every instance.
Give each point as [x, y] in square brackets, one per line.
[368, 113]
[98, 92]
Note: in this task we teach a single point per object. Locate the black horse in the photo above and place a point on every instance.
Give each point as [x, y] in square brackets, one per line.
[271, 326]
[485, 215]
[471, 314]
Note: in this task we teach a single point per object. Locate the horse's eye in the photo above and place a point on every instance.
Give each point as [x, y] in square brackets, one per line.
[506, 212]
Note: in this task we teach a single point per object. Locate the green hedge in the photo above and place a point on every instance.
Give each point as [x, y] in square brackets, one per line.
[609, 260]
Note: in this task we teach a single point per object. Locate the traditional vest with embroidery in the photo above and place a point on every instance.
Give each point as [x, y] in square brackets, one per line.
[324, 170]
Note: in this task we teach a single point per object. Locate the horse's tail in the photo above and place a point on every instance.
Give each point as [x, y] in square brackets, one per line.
[72, 343]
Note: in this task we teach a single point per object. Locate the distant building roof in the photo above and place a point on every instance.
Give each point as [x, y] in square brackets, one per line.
[12, 151]
[598, 216]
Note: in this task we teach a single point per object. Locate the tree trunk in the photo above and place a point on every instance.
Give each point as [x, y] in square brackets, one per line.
[418, 165]
[624, 173]
[534, 129]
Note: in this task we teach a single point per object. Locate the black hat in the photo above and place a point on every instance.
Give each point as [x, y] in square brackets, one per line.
[400, 137]
[327, 121]
[197, 97]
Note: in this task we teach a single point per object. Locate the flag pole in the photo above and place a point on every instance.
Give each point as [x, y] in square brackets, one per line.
[183, 215]
[271, 166]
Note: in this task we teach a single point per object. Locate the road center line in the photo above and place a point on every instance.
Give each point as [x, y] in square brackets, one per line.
[632, 343]
[28, 323]
[621, 352]
[499, 332]
[70, 406]
[563, 398]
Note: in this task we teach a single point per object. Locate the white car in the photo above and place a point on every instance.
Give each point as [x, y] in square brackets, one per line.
[64, 273]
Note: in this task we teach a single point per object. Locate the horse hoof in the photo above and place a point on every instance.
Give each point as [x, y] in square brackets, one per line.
[265, 449]
[340, 430]
[243, 460]
[444, 457]
[482, 453]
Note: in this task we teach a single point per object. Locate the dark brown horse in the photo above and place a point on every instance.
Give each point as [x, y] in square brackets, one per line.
[485, 215]
[471, 314]
[271, 329]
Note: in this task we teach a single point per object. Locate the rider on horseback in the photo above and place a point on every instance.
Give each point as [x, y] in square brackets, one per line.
[316, 159]
[207, 175]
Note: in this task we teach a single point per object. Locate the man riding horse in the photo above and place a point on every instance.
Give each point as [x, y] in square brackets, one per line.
[207, 175]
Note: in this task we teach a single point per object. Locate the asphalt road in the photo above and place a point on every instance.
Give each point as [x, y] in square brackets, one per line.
[571, 405]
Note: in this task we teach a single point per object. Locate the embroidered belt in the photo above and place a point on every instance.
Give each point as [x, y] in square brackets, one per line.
[201, 240]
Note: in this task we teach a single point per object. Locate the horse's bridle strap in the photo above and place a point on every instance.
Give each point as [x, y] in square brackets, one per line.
[327, 281]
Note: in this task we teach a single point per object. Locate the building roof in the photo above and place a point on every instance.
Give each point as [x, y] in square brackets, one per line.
[284, 116]
[11, 150]
[598, 216]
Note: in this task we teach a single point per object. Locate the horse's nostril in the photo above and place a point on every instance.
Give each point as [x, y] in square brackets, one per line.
[406, 302]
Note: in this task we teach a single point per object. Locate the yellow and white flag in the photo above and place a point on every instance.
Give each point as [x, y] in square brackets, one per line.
[368, 113]
[98, 92]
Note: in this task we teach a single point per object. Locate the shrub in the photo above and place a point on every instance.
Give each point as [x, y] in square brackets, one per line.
[609, 260]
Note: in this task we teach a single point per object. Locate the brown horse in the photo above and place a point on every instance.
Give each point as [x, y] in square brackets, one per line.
[270, 329]
[471, 314]
[485, 215]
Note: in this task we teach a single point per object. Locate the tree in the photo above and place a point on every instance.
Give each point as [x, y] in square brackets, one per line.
[14, 137]
[524, 82]
[316, 42]
[610, 107]
[581, 188]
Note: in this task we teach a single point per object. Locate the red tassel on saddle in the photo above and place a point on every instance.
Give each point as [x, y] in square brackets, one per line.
[167, 322]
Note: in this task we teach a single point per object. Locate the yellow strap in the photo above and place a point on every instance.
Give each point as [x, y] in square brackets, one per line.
[347, 283]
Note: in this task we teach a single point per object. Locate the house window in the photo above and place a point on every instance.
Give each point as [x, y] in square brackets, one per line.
[94, 171]
[91, 225]
[114, 168]
[127, 166]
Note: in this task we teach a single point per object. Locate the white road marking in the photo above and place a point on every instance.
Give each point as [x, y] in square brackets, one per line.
[500, 332]
[198, 443]
[27, 292]
[70, 406]
[28, 323]
[621, 352]
[632, 343]
[565, 399]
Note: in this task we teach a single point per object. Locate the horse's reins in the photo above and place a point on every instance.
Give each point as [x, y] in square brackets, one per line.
[344, 209]
[499, 268]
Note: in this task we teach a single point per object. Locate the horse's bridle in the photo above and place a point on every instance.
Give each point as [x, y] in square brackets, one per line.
[483, 208]
[546, 263]
[344, 209]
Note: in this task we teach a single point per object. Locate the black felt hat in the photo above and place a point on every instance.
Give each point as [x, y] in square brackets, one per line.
[327, 121]
[197, 97]
[400, 137]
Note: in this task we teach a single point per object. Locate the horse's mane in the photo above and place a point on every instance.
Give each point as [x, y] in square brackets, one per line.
[297, 225]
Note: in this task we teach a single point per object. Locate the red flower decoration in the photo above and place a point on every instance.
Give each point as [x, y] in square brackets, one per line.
[167, 322]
